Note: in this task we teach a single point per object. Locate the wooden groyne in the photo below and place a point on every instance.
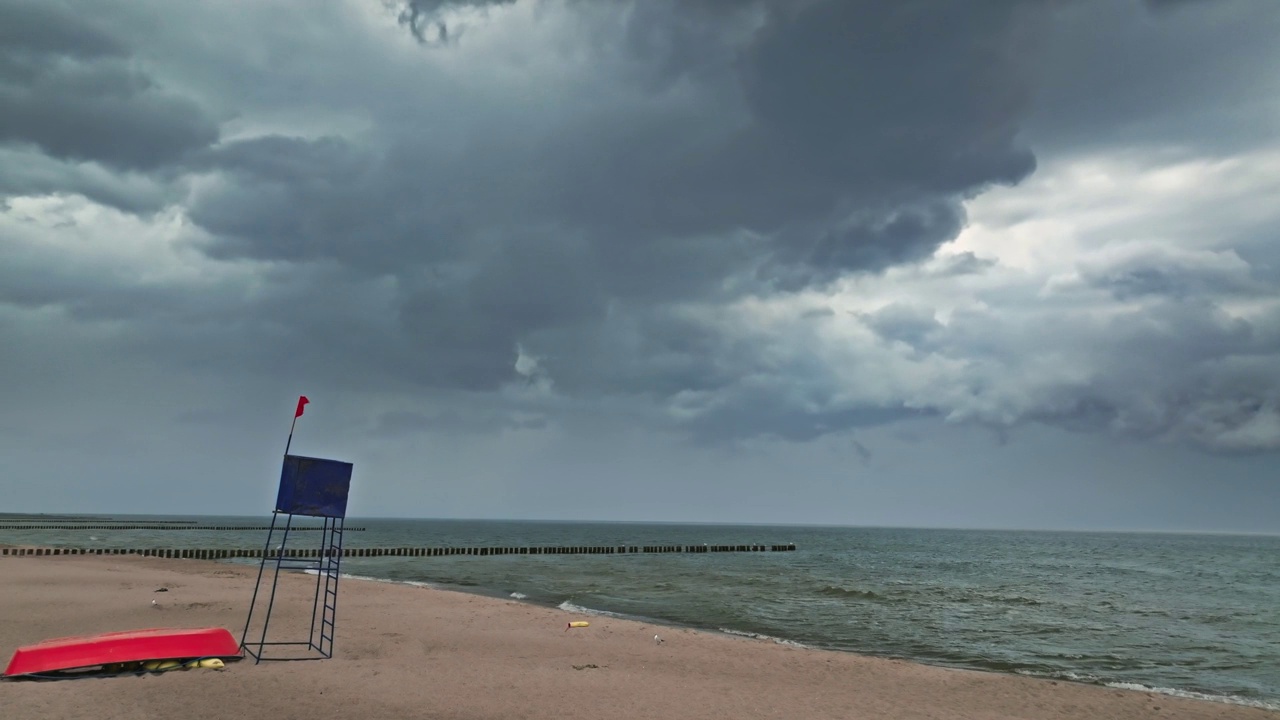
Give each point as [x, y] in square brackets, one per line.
[227, 553]
[295, 528]
[31, 522]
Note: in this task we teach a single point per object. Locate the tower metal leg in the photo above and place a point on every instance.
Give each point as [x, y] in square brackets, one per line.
[324, 601]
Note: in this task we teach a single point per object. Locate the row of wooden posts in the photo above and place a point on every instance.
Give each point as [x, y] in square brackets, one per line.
[224, 553]
[78, 522]
[295, 528]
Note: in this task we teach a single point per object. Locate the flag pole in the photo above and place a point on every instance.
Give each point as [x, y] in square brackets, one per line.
[290, 440]
[302, 401]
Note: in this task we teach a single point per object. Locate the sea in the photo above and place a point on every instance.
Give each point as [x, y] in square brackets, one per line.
[1189, 615]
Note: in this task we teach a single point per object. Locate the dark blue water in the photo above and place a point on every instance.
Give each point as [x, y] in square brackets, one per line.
[1195, 615]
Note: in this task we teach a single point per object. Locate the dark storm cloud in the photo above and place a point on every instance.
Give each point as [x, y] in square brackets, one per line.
[817, 147]
[70, 89]
[1156, 73]
[825, 137]
[44, 27]
[601, 216]
[870, 242]
[849, 143]
[423, 18]
[296, 199]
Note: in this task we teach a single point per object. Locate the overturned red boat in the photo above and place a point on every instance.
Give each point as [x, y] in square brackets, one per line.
[85, 651]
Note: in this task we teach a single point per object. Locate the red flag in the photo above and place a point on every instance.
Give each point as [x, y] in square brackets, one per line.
[302, 400]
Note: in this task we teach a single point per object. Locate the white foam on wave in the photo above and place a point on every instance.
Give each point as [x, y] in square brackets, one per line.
[762, 636]
[570, 607]
[519, 595]
[1060, 675]
[1231, 699]
[1174, 692]
[367, 577]
[370, 578]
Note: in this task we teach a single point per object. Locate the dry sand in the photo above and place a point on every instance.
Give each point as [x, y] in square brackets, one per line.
[409, 652]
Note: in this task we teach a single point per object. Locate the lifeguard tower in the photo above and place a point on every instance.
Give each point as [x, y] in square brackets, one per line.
[316, 488]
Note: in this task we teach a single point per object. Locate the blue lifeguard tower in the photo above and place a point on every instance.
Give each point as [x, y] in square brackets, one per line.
[309, 487]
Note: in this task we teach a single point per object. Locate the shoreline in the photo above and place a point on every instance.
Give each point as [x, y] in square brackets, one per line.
[786, 642]
[500, 596]
[424, 651]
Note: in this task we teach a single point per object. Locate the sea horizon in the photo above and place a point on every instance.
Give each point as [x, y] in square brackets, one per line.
[710, 523]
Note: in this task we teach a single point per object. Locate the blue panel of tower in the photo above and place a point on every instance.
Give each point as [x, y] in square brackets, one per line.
[314, 486]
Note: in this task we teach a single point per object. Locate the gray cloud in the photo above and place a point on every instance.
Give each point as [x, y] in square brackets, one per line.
[1174, 369]
[668, 168]
[744, 180]
[1164, 5]
[424, 18]
[913, 324]
[28, 171]
[29, 28]
[70, 89]
[965, 263]
[452, 421]
[1162, 270]
[1141, 85]
[606, 198]
[869, 241]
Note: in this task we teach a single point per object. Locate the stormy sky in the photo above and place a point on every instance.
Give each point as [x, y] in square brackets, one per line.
[994, 263]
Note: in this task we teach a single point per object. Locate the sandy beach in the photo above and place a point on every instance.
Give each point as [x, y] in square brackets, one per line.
[414, 652]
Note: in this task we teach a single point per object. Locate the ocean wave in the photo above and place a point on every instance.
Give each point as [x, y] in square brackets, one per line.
[998, 599]
[1231, 699]
[1082, 677]
[762, 636]
[1071, 675]
[518, 595]
[1046, 630]
[1018, 600]
[454, 582]
[837, 591]
[571, 607]
[370, 578]
[350, 576]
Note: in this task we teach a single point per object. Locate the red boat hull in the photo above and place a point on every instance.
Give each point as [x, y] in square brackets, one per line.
[70, 653]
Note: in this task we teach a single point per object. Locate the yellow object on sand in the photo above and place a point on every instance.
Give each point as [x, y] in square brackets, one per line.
[163, 665]
[578, 623]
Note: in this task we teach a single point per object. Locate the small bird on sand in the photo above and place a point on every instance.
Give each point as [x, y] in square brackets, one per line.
[657, 640]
